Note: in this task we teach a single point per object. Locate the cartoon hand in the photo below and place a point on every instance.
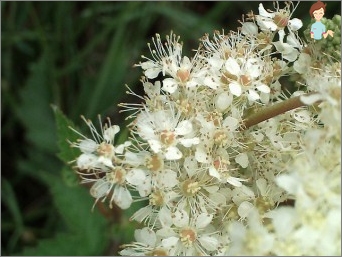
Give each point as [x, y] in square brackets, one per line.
[331, 33]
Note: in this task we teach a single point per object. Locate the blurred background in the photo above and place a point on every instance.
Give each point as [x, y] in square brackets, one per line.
[78, 56]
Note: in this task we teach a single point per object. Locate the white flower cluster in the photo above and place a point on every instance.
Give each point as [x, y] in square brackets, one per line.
[212, 185]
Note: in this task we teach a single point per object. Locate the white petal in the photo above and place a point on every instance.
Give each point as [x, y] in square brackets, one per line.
[170, 242]
[244, 209]
[262, 184]
[135, 176]
[173, 153]
[151, 70]
[152, 90]
[167, 179]
[122, 197]
[203, 220]
[100, 188]
[231, 123]
[289, 183]
[269, 25]
[252, 67]
[86, 161]
[145, 235]
[155, 145]
[232, 66]
[303, 63]
[292, 40]
[169, 85]
[201, 155]
[234, 181]
[184, 127]
[105, 161]
[109, 133]
[281, 34]
[223, 101]
[310, 99]
[252, 95]
[249, 28]
[216, 62]
[214, 173]
[264, 13]
[211, 82]
[145, 187]
[165, 218]
[302, 116]
[263, 88]
[295, 24]
[235, 88]
[259, 136]
[283, 219]
[242, 159]
[120, 148]
[188, 142]
[180, 218]
[88, 146]
[208, 242]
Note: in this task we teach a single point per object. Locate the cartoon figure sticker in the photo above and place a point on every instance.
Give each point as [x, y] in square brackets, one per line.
[318, 29]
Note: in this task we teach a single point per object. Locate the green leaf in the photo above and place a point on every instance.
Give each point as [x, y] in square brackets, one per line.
[70, 177]
[33, 109]
[86, 231]
[65, 136]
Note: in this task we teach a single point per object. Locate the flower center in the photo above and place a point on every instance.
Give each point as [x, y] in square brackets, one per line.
[190, 187]
[227, 77]
[245, 80]
[117, 175]
[281, 20]
[187, 236]
[154, 163]
[264, 204]
[167, 137]
[105, 150]
[220, 137]
[184, 106]
[215, 117]
[183, 75]
[156, 198]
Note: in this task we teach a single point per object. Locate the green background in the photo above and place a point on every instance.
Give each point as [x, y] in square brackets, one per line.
[78, 56]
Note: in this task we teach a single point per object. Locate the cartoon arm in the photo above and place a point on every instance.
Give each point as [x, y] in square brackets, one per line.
[330, 32]
[311, 32]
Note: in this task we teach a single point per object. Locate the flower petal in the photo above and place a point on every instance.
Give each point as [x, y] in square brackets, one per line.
[184, 127]
[170, 85]
[173, 153]
[235, 88]
[232, 66]
[242, 159]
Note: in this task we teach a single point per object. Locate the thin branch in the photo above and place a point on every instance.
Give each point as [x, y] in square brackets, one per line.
[272, 111]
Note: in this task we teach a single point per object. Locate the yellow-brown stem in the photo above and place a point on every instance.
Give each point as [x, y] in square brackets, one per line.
[272, 111]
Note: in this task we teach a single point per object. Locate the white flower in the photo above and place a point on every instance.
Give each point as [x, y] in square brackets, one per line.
[248, 72]
[288, 51]
[189, 236]
[147, 244]
[164, 131]
[113, 183]
[99, 152]
[277, 20]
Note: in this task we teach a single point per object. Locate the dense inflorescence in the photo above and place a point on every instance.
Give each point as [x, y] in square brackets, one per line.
[212, 184]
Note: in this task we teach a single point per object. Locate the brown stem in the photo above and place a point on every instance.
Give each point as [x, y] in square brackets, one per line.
[272, 111]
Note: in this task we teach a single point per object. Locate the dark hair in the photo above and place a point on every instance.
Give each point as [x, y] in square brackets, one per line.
[316, 6]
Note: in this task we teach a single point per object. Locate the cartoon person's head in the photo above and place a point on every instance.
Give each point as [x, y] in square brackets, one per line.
[317, 10]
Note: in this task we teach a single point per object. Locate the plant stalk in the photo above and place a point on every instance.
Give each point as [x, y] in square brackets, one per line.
[272, 111]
